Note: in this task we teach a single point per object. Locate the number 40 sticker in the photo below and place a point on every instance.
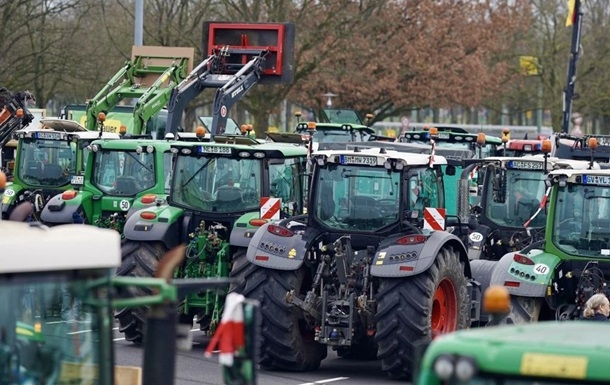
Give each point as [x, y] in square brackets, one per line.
[541, 268]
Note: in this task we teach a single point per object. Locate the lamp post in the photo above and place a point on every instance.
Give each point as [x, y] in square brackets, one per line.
[329, 101]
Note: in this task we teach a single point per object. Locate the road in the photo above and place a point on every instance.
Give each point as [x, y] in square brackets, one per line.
[193, 368]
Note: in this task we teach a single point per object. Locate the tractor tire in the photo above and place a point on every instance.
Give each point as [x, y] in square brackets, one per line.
[524, 309]
[239, 267]
[285, 342]
[416, 309]
[140, 259]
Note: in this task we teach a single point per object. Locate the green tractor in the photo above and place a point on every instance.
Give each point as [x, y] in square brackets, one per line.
[38, 348]
[47, 161]
[507, 215]
[553, 278]
[122, 177]
[369, 271]
[542, 353]
[221, 193]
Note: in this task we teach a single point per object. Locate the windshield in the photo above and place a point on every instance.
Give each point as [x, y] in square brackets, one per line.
[47, 162]
[49, 334]
[524, 190]
[342, 116]
[231, 129]
[217, 184]
[359, 198]
[483, 152]
[582, 220]
[123, 173]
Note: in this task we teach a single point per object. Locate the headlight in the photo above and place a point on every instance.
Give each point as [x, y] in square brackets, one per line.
[443, 367]
[138, 150]
[150, 149]
[465, 368]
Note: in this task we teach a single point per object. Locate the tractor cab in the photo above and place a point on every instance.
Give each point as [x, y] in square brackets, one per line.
[508, 209]
[522, 147]
[46, 162]
[452, 137]
[122, 176]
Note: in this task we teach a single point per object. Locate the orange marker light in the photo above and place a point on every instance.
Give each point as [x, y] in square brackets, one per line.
[593, 143]
[101, 117]
[67, 195]
[200, 131]
[546, 146]
[481, 139]
[123, 130]
[148, 199]
[311, 126]
[433, 131]
[19, 113]
[496, 300]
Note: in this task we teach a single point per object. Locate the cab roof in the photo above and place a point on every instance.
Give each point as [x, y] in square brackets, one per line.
[128, 144]
[573, 174]
[502, 349]
[37, 248]
[450, 136]
[244, 143]
[382, 155]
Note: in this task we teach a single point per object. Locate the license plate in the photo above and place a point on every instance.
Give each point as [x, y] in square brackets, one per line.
[215, 150]
[48, 135]
[526, 165]
[366, 160]
[77, 180]
[554, 365]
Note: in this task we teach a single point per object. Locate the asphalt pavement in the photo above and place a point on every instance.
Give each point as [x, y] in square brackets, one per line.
[193, 368]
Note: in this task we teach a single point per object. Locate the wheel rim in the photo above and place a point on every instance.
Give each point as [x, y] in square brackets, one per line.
[444, 308]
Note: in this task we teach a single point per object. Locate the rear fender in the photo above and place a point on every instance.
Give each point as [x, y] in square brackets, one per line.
[526, 280]
[242, 232]
[165, 227]
[389, 261]
[58, 210]
[272, 251]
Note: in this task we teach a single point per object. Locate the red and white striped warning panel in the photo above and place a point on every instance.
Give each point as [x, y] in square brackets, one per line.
[270, 208]
[434, 219]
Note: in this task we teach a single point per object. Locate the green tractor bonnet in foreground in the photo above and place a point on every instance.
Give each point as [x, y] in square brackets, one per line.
[368, 271]
[547, 353]
[552, 279]
[221, 192]
[122, 177]
[47, 161]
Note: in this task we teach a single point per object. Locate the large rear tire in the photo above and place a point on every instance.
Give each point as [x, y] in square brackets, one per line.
[416, 309]
[140, 259]
[286, 343]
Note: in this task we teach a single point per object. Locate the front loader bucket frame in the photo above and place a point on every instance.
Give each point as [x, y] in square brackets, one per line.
[248, 40]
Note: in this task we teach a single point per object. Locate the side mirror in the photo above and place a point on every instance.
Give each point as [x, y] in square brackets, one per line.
[450, 170]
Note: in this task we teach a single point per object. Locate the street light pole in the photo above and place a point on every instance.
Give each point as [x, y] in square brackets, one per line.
[139, 23]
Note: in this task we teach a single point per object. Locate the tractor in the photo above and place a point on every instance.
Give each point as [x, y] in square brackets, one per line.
[14, 115]
[553, 278]
[47, 161]
[507, 215]
[221, 192]
[369, 270]
[122, 176]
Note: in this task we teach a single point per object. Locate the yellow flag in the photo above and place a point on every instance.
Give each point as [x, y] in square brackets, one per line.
[571, 12]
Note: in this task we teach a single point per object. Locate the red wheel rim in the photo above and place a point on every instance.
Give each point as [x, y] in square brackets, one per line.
[444, 308]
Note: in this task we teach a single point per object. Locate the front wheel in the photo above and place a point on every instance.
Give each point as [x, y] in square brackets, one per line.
[140, 259]
[416, 309]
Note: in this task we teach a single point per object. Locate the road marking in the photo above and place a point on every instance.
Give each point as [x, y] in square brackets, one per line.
[119, 339]
[80, 332]
[325, 381]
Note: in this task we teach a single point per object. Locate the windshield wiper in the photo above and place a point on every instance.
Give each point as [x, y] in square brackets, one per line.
[196, 172]
[138, 160]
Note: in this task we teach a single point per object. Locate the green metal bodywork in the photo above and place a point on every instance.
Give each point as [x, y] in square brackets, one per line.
[540, 353]
[104, 208]
[212, 235]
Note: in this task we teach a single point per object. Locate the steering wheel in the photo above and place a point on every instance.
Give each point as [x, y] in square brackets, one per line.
[249, 194]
